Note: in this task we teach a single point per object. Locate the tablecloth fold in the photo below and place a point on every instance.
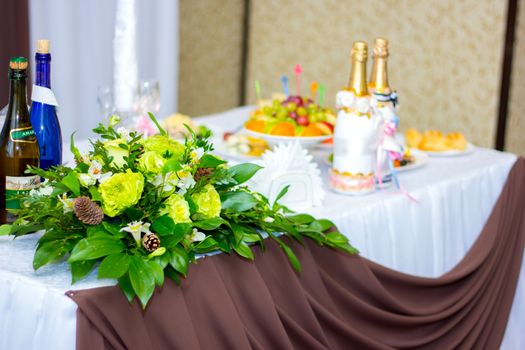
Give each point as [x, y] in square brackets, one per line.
[337, 302]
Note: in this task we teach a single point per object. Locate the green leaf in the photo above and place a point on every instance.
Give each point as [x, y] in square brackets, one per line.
[158, 272]
[141, 278]
[20, 230]
[325, 224]
[301, 219]
[282, 193]
[171, 165]
[5, 230]
[210, 161]
[71, 181]
[336, 237]
[174, 275]
[243, 250]
[209, 224]
[179, 260]
[53, 235]
[95, 195]
[125, 284]
[82, 167]
[180, 230]
[114, 229]
[154, 120]
[243, 172]
[251, 238]
[223, 243]
[58, 189]
[49, 252]
[81, 269]
[73, 148]
[289, 253]
[163, 225]
[207, 245]
[238, 231]
[163, 260]
[134, 214]
[95, 247]
[114, 266]
[238, 201]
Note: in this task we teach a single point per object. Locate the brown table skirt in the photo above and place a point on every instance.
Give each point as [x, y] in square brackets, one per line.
[337, 302]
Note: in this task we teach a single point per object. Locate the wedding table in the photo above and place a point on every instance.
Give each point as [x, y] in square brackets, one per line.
[426, 238]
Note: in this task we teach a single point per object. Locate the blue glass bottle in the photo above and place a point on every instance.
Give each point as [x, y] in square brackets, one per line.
[44, 116]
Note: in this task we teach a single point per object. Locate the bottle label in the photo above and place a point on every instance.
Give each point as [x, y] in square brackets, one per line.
[16, 186]
[23, 135]
[43, 95]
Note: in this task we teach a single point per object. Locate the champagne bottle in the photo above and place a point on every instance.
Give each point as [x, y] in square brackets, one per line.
[356, 133]
[379, 78]
[43, 110]
[357, 83]
[18, 144]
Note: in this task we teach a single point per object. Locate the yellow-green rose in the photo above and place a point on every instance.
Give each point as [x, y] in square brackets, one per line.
[113, 149]
[121, 191]
[151, 162]
[177, 208]
[164, 146]
[208, 200]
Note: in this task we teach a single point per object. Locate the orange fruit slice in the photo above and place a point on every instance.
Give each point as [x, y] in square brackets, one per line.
[312, 130]
[283, 129]
[255, 125]
[325, 128]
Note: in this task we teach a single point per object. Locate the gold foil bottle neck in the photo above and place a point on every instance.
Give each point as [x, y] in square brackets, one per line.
[18, 63]
[42, 46]
[379, 77]
[381, 47]
[359, 57]
[359, 51]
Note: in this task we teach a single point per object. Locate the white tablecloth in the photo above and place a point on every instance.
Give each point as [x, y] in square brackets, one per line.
[427, 238]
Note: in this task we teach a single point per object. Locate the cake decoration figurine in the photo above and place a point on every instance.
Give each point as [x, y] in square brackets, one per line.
[358, 131]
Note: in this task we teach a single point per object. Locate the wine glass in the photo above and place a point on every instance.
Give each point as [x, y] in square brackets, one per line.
[148, 97]
[105, 101]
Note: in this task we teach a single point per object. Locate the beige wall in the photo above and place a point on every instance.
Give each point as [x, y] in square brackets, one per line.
[515, 138]
[210, 55]
[445, 62]
[445, 55]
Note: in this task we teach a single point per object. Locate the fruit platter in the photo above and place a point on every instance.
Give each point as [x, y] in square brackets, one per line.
[292, 118]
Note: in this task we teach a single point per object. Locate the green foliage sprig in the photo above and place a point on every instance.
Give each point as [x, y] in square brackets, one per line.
[182, 195]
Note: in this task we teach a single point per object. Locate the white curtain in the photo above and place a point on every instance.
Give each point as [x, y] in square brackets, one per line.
[81, 34]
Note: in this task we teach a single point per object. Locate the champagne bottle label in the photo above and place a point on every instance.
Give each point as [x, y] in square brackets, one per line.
[16, 186]
[23, 135]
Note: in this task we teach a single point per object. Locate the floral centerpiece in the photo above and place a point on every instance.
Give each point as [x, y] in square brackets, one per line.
[144, 208]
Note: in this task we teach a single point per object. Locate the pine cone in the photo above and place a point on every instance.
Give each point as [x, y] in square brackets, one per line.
[151, 242]
[87, 211]
[202, 172]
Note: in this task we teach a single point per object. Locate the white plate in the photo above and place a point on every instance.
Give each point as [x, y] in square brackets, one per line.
[222, 150]
[421, 158]
[305, 141]
[470, 149]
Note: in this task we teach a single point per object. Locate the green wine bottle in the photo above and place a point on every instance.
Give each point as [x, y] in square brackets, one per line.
[18, 144]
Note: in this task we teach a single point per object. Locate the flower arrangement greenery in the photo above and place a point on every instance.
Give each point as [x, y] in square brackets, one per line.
[145, 208]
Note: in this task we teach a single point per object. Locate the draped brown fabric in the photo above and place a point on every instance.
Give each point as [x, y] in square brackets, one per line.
[337, 302]
[14, 39]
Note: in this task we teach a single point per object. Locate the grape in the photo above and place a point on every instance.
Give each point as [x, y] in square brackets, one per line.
[312, 108]
[293, 115]
[282, 114]
[302, 120]
[291, 106]
[267, 110]
[302, 111]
